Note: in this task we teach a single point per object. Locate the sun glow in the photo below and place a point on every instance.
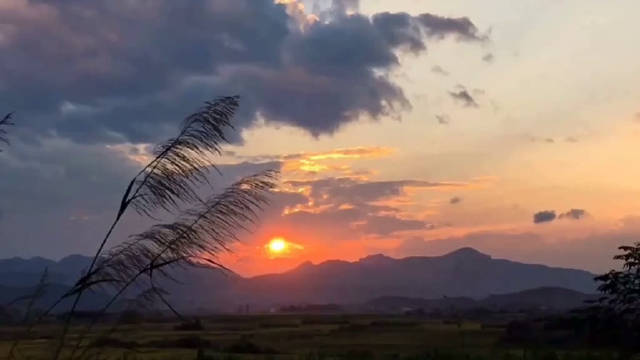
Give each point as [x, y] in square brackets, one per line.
[279, 247]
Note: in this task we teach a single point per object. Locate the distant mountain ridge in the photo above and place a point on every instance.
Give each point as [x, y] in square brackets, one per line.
[462, 273]
[465, 273]
[545, 299]
[21, 272]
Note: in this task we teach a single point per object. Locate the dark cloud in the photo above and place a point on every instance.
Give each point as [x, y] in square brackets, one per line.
[404, 30]
[637, 117]
[571, 139]
[85, 76]
[549, 141]
[347, 221]
[488, 58]
[455, 200]
[574, 214]
[443, 119]
[463, 97]
[439, 27]
[544, 216]
[549, 215]
[120, 70]
[350, 191]
[437, 69]
[348, 204]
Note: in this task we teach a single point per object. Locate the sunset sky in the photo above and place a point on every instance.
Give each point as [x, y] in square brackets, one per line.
[404, 127]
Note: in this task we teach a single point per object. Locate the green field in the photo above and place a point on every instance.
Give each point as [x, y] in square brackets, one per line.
[297, 337]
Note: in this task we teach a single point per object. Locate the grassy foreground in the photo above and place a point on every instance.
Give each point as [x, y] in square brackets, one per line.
[297, 337]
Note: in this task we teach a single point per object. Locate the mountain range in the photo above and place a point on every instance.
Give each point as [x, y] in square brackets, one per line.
[465, 273]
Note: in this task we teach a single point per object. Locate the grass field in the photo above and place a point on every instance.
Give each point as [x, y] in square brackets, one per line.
[296, 337]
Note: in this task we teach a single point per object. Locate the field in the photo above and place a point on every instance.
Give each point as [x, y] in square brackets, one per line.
[298, 337]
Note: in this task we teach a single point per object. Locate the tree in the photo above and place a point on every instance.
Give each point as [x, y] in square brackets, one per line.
[621, 288]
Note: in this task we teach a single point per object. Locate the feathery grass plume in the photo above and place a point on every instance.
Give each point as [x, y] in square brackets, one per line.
[198, 236]
[171, 179]
[182, 164]
[4, 123]
[169, 183]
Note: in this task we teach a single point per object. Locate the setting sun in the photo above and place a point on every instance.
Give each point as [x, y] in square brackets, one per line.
[277, 245]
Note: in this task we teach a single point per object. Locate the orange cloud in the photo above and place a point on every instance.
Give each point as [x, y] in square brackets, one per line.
[324, 162]
[296, 10]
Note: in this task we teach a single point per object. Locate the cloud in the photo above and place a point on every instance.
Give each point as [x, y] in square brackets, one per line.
[439, 27]
[544, 216]
[356, 207]
[362, 152]
[463, 97]
[331, 161]
[353, 191]
[119, 75]
[71, 191]
[455, 200]
[437, 69]
[148, 63]
[443, 119]
[550, 141]
[488, 58]
[574, 214]
[550, 215]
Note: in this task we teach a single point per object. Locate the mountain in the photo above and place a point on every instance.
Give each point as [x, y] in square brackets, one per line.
[465, 275]
[18, 272]
[462, 273]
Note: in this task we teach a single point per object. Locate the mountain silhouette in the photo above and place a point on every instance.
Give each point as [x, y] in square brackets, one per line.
[465, 273]
[462, 273]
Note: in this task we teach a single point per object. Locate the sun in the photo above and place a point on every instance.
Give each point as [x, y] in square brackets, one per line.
[277, 245]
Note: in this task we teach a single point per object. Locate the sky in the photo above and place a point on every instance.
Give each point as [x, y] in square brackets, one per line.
[403, 127]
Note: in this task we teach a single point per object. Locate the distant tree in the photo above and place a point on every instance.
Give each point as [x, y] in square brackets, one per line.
[621, 288]
[615, 319]
[4, 123]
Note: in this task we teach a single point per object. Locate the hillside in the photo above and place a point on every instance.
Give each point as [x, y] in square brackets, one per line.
[466, 275]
